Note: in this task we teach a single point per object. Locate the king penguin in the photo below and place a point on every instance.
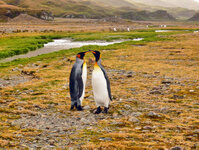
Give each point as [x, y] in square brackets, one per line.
[101, 85]
[77, 83]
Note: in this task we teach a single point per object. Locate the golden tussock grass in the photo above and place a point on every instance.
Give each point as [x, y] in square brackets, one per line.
[151, 64]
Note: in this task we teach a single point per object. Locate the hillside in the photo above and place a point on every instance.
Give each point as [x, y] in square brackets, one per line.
[6, 10]
[144, 15]
[195, 17]
[9, 11]
[24, 18]
[91, 9]
[64, 8]
[180, 13]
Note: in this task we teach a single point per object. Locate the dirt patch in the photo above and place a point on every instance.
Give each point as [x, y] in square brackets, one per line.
[54, 126]
[24, 76]
[14, 80]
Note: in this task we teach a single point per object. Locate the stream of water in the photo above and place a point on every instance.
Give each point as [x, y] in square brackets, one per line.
[61, 44]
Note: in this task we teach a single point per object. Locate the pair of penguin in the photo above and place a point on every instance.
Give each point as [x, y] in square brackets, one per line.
[100, 83]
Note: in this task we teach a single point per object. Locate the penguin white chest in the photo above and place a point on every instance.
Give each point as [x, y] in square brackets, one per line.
[84, 73]
[100, 89]
[84, 77]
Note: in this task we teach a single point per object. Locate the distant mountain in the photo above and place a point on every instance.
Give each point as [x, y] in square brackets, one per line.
[159, 15]
[115, 3]
[195, 17]
[180, 13]
[189, 4]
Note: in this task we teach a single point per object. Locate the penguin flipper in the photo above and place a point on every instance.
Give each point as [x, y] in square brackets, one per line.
[107, 82]
[76, 87]
[80, 85]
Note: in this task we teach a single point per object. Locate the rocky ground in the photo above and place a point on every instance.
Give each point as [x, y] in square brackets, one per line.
[155, 101]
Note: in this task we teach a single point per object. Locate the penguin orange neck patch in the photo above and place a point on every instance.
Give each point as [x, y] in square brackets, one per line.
[96, 66]
[84, 64]
[78, 55]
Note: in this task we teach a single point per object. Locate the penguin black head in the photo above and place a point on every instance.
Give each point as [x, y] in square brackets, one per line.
[81, 55]
[96, 54]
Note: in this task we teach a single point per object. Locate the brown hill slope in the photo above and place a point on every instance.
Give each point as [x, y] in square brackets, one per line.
[195, 17]
[92, 8]
[25, 18]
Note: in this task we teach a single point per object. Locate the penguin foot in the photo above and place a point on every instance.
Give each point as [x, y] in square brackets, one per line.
[79, 108]
[105, 110]
[72, 107]
[98, 110]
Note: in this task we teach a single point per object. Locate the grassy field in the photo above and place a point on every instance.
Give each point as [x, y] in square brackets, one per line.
[154, 82]
[20, 43]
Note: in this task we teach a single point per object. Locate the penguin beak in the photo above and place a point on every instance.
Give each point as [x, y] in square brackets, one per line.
[86, 52]
[92, 51]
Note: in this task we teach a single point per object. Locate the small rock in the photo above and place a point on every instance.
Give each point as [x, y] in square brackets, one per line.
[90, 97]
[177, 97]
[136, 114]
[149, 76]
[133, 89]
[167, 81]
[153, 115]
[196, 131]
[65, 86]
[115, 115]
[22, 103]
[124, 112]
[191, 91]
[147, 128]
[190, 138]
[138, 128]
[16, 69]
[155, 92]
[157, 72]
[70, 148]
[130, 72]
[117, 123]
[134, 120]
[105, 139]
[51, 142]
[44, 66]
[129, 75]
[87, 121]
[164, 110]
[37, 106]
[127, 106]
[86, 107]
[176, 148]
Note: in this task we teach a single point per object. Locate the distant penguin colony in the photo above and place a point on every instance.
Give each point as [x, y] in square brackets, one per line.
[100, 83]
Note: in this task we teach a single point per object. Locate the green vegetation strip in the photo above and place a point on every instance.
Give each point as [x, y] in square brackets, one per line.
[20, 45]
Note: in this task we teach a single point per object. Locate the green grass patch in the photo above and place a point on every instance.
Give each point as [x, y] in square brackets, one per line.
[19, 45]
[23, 44]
